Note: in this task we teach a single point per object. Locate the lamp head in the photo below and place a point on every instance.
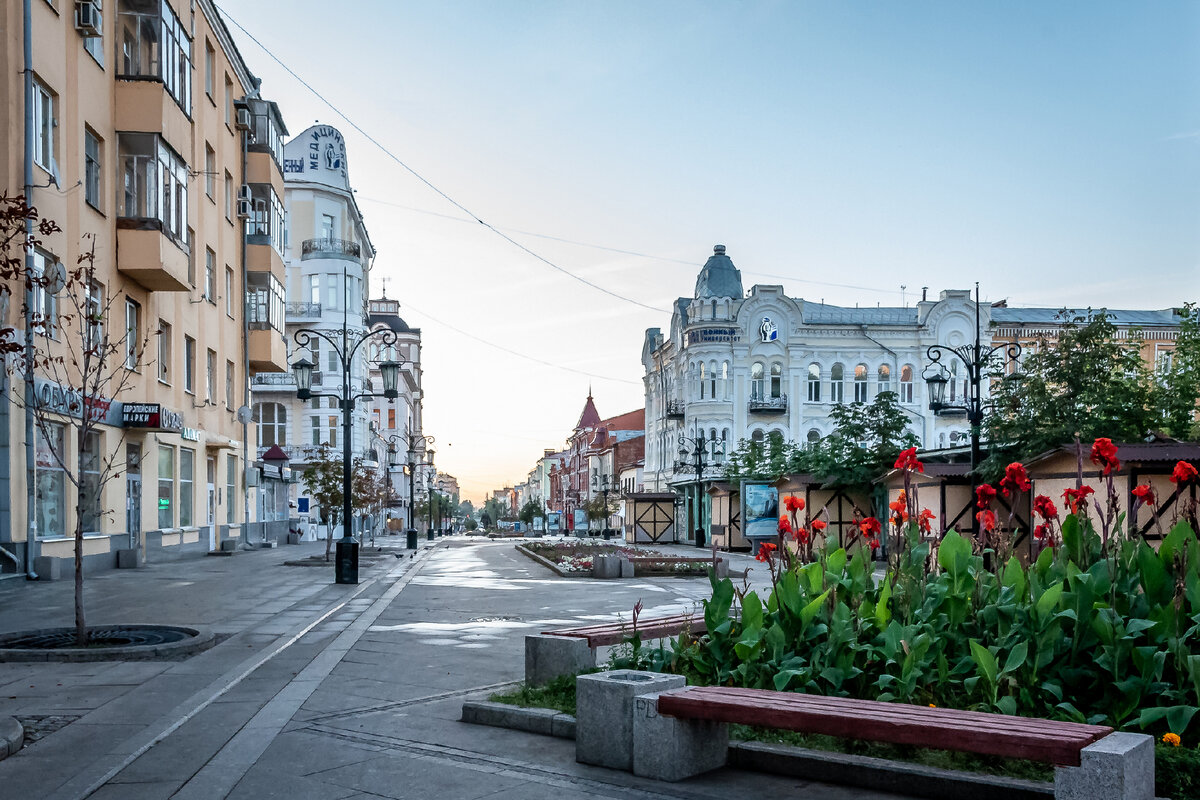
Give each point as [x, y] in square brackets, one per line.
[303, 370]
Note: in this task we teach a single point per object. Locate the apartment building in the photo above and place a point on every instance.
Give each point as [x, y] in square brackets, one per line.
[149, 140]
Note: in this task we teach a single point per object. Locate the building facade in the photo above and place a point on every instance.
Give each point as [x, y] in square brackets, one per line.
[147, 140]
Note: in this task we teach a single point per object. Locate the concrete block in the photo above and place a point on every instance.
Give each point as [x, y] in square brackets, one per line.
[626, 567]
[294, 538]
[48, 568]
[12, 735]
[1118, 767]
[606, 567]
[722, 568]
[604, 713]
[229, 545]
[130, 558]
[547, 657]
[670, 749]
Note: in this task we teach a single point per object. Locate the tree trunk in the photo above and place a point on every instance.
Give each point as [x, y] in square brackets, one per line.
[81, 634]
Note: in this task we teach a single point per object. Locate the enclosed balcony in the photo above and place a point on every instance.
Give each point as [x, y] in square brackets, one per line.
[675, 409]
[326, 247]
[152, 213]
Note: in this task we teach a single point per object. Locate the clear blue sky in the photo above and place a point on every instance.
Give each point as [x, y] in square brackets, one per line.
[1049, 151]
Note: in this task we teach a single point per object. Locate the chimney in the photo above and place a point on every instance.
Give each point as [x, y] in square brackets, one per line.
[924, 293]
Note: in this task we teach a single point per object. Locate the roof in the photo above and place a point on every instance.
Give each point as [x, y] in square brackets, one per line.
[1141, 452]
[629, 421]
[274, 453]
[392, 321]
[822, 314]
[719, 277]
[590, 416]
[1055, 316]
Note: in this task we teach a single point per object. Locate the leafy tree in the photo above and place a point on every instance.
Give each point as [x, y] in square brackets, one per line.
[1178, 386]
[865, 441]
[1086, 381]
[531, 511]
[466, 509]
[765, 460]
[471, 524]
[495, 510]
[598, 510]
[323, 477]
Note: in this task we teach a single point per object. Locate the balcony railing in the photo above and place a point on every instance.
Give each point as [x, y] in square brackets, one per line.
[768, 405]
[303, 311]
[278, 379]
[325, 248]
[675, 409]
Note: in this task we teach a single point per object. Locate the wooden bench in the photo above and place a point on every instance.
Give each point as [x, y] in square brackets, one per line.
[681, 733]
[569, 651]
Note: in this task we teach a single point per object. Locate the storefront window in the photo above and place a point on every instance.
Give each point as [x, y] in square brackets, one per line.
[231, 489]
[166, 486]
[90, 483]
[187, 493]
[50, 485]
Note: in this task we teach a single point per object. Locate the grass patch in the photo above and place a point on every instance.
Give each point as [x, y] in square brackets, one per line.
[558, 694]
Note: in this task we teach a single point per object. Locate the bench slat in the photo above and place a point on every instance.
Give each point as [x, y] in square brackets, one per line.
[1047, 741]
[615, 632]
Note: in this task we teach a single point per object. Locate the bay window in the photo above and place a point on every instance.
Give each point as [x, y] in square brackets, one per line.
[154, 184]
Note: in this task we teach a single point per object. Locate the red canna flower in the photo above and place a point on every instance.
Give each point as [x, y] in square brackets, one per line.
[1184, 473]
[899, 506]
[785, 525]
[1045, 508]
[1104, 455]
[924, 520]
[765, 550]
[818, 525]
[802, 535]
[907, 460]
[1015, 479]
[1144, 493]
[873, 543]
[1077, 498]
[870, 527]
[987, 519]
[984, 495]
[793, 503]
[1041, 531]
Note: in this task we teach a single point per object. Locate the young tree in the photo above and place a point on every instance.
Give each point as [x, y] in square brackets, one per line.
[1177, 385]
[71, 345]
[530, 511]
[865, 441]
[323, 477]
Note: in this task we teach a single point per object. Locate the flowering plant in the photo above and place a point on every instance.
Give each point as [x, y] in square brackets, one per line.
[1015, 479]
[1104, 455]
[907, 460]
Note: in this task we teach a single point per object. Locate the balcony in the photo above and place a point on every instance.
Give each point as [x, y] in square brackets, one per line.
[268, 352]
[768, 405]
[145, 105]
[675, 409]
[330, 248]
[302, 311]
[277, 381]
[261, 168]
[146, 255]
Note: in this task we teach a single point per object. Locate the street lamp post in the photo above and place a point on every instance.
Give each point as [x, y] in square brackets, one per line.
[694, 448]
[602, 484]
[975, 357]
[414, 443]
[346, 560]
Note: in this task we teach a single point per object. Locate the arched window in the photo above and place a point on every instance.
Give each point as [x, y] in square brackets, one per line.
[756, 437]
[837, 386]
[776, 380]
[814, 438]
[712, 380]
[714, 309]
[272, 423]
[756, 381]
[724, 380]
[814, 383]
[776, 441]
[906, 384]
[860, 383]
[953, 381]
[885, 378]
[701, 380]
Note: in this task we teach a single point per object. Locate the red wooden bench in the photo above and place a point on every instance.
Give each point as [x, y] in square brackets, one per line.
[569, 651]
[1048, 741]
[616, 632]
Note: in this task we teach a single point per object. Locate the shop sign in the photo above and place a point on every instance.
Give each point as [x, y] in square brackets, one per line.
[151, 417]
[713, 336]
[70, 402]
[190, 434]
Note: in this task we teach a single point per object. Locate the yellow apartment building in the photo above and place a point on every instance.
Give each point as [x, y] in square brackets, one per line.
[144, 132]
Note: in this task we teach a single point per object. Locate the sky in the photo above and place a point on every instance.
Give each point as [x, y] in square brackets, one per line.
[852, 152]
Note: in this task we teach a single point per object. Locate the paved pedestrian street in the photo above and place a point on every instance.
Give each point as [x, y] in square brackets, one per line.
[316, 690]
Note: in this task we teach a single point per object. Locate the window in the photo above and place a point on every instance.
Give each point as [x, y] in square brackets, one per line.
[391, 418]
[91, 168]
[860, 383]
[210, 172]
[229, 291]
[189, 365]
[166, 486]
[906, 384]
[814, 383]
[885, 378]
[335, 366]
[228, 196]
[43, 124]
[89, 488]
[331, 293]
[272, 424]
[210, 69]
[327, 226]
[231, 471]
[952, 381]
[50, 485]
[265, 301]
[154, 44]
[756, 381]
[210, 276]
[191, 259]
[42, 299]
[153, 184]
[210, 376]
[837, 387]
[316, 430]
[164, 351]
[229, 384]
[265, 223]
[187, 488]
[702, 380]
[712, 381]
[228, 101]
[333, 428]
[776, 381]
[314, 289]
[94, 45]
[96, 313]
[814, 438]
[132, 352]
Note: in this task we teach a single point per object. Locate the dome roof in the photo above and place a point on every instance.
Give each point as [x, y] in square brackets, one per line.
[719, 277]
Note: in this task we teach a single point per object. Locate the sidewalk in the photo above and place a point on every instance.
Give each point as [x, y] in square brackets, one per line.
[324, 691]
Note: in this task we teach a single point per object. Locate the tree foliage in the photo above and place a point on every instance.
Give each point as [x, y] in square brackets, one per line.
[530, 511]
[1177, 387]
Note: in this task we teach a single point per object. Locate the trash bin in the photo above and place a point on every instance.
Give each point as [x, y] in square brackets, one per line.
[411, 535]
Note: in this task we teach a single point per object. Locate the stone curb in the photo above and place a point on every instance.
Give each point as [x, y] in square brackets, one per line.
[545, 721]
[862, 772]
[201, 639]
[548, 564]
[12, 735]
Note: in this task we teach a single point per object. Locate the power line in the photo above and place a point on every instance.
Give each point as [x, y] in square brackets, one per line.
[474, 217]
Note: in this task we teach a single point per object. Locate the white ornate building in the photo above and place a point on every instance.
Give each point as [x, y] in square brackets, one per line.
[737, 364]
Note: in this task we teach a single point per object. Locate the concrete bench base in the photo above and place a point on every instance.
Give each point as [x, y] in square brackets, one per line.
[548, 657]
[670, 749]
[1118, 767]
[604, 719]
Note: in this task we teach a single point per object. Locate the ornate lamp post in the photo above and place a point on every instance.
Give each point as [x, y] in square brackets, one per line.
[346, 561]
[692, 454]
[976, 358]
[415, 445]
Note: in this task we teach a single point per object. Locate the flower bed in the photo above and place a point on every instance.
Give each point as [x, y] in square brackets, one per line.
[577, 557]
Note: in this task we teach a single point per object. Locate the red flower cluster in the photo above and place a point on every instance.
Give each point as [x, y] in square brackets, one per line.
[765, 550]
[984, 495]
[987, 519]
[802, 535]
[924, 520]
[1104, 455]
[899, 507]
[1144, 493]
[1184, 473]
[1015, 479]
[785, 525]
[793, 503]
[870, 528]
[1044, 507]
[1041, 531]
[1077, 498]
[818, 525]
[908, 461]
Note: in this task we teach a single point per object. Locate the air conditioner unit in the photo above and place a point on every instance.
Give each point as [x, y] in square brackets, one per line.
[87, 18]
[244, 120]
[252, 476]
[243, 208]
[244, 193]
